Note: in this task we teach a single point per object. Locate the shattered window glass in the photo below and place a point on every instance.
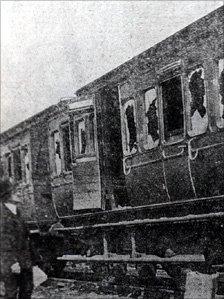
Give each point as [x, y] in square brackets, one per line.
[151, 113]
[9, 165]
[130, 125]
[17, 165]
[66, 147]
[27, 164]
[173, 116]
[91, 133]
[221, 93]
[57, 152]
[82, 137]
[198, 103]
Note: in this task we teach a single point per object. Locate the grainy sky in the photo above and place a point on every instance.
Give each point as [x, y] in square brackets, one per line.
[51, 48]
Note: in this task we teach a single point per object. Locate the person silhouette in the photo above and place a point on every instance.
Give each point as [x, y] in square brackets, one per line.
[16, 265]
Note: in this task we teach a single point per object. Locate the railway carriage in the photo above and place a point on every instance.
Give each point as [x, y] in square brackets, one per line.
[159, 128]
[134, 165]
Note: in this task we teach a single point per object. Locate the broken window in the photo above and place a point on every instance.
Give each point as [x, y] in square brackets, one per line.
[91, 133]
[131, 133]
[17, 165]
[26, 163]
[198, 104]
[82, 136]
[9, 165]
[172, 108]
[57, 152]
[66, 147]
[151, 113]
[221, 93]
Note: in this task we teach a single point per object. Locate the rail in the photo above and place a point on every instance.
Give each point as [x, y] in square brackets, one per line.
[187, 258]
[147, 221]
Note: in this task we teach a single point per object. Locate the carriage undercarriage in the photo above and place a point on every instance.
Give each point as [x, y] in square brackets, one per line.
[150, 253]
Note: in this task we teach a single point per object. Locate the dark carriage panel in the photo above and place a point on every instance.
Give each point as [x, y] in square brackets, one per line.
[178, 178]
[113, 190]
[146, 185]
[207, 165]
[145, 181]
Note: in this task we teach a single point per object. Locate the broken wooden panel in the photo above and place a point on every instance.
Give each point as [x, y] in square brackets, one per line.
[198, 102]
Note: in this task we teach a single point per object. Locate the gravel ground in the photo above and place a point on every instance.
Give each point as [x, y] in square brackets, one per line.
[68, 289]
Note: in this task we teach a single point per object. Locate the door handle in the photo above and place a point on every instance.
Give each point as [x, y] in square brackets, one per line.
[182, 147]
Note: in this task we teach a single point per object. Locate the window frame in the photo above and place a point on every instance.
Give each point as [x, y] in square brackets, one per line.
[124, 105]
[15, 179]
[167, 75]
[27, 147]
[90, 144]
[7, 156]
[217, 90]
[145, 121]
[53, 153]
[78, 139]
[189, 71]
[61, 127]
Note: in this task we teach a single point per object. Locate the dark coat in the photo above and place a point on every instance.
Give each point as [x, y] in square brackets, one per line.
[14, 241]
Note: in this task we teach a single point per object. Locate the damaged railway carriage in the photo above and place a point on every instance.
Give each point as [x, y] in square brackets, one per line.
[132, 169]
[51, 160]
[160, 149]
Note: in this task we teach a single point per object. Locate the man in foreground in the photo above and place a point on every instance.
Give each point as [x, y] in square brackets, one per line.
[16, 267]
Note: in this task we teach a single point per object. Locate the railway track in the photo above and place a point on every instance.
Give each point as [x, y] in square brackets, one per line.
[61, 288]
[83, 281]
[107, 281]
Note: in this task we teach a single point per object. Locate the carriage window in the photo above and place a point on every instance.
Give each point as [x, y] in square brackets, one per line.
[220, 122]
[198, 103]
[66, 147]
[26, 163]
[151, 114]
[57, 152]
[130, 127]
[82, 136]
[91, 134]
[17, 165]
[9, 164]
[172, 109]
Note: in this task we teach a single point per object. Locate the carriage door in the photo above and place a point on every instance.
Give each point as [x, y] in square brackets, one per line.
[174, 149]
[205, 127]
